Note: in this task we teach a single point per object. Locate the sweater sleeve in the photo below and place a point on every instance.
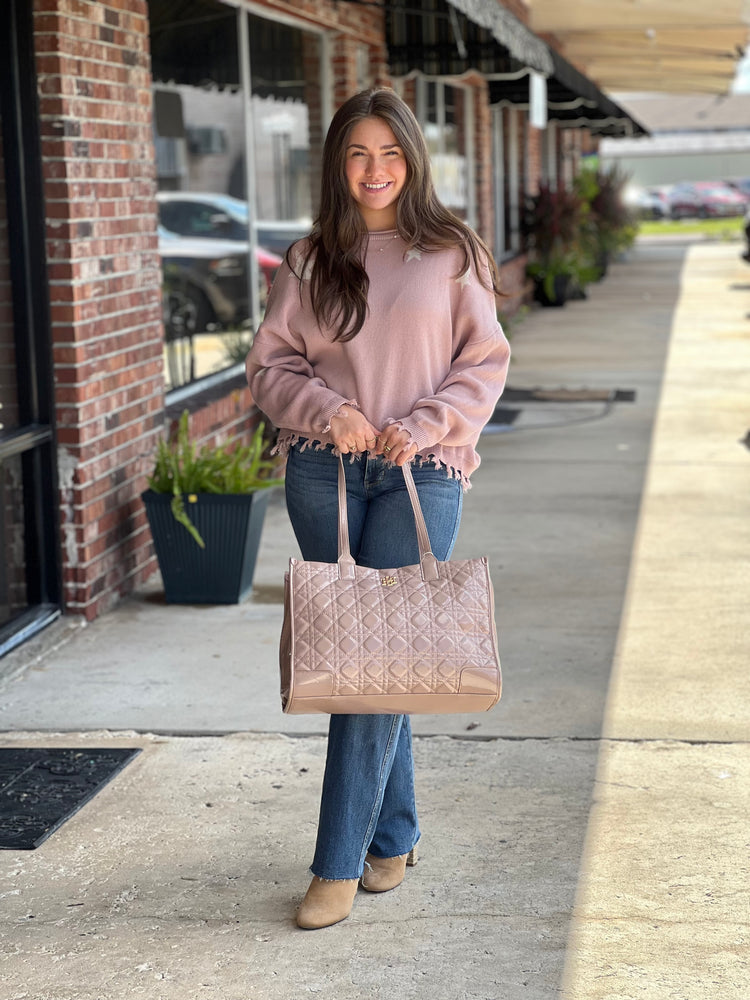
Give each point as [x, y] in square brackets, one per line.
[279, 374]
[466, 398]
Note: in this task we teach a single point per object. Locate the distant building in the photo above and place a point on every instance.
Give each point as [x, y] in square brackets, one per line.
[693, 138]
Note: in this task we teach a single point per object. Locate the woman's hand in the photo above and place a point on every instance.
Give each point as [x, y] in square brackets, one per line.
[393, 444]
[352, 432]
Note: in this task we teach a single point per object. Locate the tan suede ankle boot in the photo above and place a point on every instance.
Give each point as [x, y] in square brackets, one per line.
[326, 902]
[382, 874]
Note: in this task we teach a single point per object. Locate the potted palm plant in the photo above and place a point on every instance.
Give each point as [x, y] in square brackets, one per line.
[206, 509]
[608, 224]
[552, 226]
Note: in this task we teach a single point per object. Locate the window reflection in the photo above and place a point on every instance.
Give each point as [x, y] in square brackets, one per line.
[443, 115]
[200, 114]
[285, 65]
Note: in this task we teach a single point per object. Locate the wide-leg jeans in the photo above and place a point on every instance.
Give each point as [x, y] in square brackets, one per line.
[368, 801]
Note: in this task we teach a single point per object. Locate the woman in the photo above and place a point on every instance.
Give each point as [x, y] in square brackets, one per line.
[380, 341]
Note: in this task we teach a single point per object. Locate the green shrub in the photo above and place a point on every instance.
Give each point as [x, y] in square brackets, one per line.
[180, 468]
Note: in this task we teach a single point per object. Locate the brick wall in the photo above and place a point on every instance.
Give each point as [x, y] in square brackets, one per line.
[105, 279]
[353, 27]
[230, 416]
[516, 287]
[362, 42]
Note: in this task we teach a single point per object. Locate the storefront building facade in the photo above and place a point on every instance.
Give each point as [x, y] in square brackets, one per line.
[157, 158]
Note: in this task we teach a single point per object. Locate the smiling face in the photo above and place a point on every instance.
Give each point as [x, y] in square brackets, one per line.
[375, 172]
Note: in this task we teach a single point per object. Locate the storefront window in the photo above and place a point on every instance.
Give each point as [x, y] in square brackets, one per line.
[220, 248]
[507, 179]
[286, 116]
[8, 387]
[444, 111]
[29, 545]
[12, 545]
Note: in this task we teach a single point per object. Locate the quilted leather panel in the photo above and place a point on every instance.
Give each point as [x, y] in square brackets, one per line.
[389, 632]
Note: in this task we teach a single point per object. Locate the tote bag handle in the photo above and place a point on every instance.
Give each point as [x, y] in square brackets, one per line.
[427, 561]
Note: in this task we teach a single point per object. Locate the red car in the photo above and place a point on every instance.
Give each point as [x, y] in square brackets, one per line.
[705, 200]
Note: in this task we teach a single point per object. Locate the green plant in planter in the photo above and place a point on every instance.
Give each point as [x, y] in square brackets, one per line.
[181, 468]
[608, 225]
[562, 264]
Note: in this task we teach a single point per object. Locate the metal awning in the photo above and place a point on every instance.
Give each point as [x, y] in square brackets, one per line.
[573, 100]
[451, 37]
[652, 45]
[506, 29]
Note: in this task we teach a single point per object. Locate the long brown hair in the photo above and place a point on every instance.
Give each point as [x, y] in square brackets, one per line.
[338, 279]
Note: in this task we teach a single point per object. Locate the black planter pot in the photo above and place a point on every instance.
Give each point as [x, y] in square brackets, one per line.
[230, 525]
[560, 291]
[602, 264]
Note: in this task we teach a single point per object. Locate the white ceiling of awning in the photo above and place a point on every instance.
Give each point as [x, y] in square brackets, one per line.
[649, 45]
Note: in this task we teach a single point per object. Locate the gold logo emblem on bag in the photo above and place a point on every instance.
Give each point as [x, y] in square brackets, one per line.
[387, 581]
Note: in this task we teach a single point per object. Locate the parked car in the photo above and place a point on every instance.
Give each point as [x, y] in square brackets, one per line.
[746, 228]
[206, 281]
[705, 200]
[741, 184]
[219, 216]
[661, 196]
[647, 203]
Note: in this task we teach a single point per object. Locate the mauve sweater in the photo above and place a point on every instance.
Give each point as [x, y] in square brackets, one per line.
[430, 356]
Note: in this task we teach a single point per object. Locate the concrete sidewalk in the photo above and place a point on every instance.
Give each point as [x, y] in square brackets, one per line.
[587, 839]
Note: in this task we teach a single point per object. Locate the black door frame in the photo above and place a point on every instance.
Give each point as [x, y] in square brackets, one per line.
[34, 440]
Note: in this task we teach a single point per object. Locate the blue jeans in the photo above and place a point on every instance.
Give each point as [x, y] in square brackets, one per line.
[368, 801]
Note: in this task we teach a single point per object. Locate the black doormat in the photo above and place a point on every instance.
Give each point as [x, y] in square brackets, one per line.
[41, 788]
[504, 415]
[561, 395]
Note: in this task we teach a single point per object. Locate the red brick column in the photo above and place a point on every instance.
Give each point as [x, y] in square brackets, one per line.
[534, 169]
[105, 280]
[484, 165]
